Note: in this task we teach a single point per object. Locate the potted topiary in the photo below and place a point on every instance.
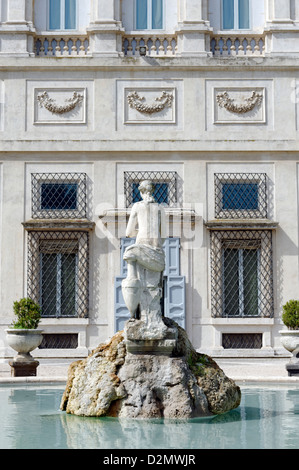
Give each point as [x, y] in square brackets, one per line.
[290, 337]
[24, 336]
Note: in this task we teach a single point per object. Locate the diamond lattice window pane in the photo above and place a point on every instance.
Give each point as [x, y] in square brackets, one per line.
[240, 195]
[59, 195]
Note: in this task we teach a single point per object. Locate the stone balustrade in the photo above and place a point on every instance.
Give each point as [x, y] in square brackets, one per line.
[65, 46]
[165, 45]
[235, 44]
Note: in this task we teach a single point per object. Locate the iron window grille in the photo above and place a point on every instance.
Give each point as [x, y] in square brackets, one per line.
[240, 195]
[58, 272]
[241, 273]
[59, 195]
[242, 340]
[59, 341]
[165, 186]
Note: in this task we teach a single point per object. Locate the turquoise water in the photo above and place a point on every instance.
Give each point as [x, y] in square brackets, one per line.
[268, 418]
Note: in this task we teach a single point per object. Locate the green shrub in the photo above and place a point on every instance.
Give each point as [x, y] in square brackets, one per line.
[28, 314]
[290, 316]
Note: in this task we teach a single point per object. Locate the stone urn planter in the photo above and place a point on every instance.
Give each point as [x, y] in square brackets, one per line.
[24, 337]
[23, 341]
[290, 337]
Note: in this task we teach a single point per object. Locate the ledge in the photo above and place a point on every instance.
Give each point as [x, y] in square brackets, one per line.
[172, 214]
[249, 224]
[59, 224]
[231, 322]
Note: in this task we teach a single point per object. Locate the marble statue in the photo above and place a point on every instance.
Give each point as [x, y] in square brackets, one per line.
[142, 288]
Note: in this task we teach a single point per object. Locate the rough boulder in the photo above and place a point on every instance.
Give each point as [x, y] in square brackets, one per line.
[113, 382]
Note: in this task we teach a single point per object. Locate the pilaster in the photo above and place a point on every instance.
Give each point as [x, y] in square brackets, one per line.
[105, 28]
[282, 27]
[193, 26]
[16, 28]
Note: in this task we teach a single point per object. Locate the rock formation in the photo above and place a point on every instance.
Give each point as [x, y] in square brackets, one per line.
[114, 382]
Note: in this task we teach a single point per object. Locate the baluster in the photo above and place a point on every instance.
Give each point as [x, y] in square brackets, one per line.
[42, 47]
[241, 47]
[169, 46]
[217, 51]
[137, 53]
[249, 47]
[161, 47]
[65, 48]
[74, 51]
[50, 48]
[58, 48]
[130, 47]
[225, 48]
[257, 50]
[154, 46]
[82, 48]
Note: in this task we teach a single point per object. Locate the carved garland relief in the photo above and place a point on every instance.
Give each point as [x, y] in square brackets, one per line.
[224, 101]
[163, 101]
[49, 104]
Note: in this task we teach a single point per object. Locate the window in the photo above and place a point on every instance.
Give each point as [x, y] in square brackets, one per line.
[240, 195]
[235, 14]
[59, 195]
[241, 273]
[165, 186]
[241, 278]
[62, 14]
[58, 282]
[58, 272]
[149, 14]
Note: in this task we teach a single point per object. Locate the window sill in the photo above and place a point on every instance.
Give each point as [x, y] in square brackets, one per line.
[59, 224]
[254, 224]
[231, 321]
[61, 321]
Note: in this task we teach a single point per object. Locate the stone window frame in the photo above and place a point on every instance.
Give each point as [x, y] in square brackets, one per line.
[266, 296]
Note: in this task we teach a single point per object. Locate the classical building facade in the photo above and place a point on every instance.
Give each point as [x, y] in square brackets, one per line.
[201, 97]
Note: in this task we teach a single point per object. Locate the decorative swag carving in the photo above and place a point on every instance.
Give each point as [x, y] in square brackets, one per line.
[49, 104]
[224, 101]
[136, 101]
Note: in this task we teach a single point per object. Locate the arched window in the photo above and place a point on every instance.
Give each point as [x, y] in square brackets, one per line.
[62, 14]
[235, 14]
[149, 14]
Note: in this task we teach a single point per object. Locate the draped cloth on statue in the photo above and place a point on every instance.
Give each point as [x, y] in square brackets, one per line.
[149, 257]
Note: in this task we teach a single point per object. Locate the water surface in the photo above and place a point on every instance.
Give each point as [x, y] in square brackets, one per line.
[268, 418]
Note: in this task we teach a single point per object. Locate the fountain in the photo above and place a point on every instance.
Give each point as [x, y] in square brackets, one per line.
[150, 369]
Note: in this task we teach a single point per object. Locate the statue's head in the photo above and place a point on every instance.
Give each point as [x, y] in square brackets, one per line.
[146, 189]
